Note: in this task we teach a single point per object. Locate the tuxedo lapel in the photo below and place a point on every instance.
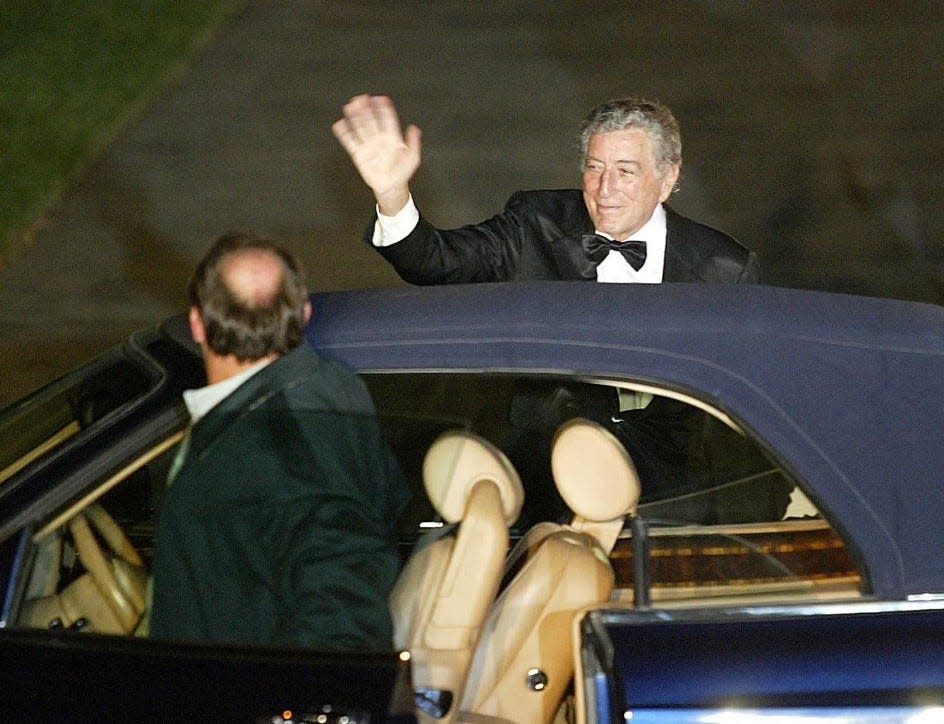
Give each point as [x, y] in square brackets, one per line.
[678, 264]
[571, 259]
[697, 253]
[564, 242]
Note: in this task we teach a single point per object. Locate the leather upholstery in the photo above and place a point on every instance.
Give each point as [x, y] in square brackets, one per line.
[110, 596]
[443, 594]
[524, 661]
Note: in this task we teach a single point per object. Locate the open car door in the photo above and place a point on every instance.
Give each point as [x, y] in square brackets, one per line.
[92, 677]
[863, 662]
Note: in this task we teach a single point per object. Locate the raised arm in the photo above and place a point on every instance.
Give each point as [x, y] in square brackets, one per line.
[385, 156]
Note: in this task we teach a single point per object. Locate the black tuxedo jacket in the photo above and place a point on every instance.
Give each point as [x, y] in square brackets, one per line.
[537, 237]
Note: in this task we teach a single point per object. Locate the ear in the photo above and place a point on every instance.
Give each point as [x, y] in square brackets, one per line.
[668, 182]
[306, 310]
[197, 330]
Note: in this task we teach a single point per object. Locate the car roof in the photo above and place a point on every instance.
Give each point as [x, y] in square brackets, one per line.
[846, 391]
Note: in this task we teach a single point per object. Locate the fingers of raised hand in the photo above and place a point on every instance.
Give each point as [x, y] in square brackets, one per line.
[365, 118]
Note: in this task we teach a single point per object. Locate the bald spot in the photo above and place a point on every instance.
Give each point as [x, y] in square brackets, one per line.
[253, 276]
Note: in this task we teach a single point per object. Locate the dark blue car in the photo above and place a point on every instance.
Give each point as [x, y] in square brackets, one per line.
[733, 502]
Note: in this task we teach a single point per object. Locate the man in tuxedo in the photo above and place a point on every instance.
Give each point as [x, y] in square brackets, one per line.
[617, 228]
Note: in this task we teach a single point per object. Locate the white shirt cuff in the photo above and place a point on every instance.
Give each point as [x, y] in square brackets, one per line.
[391, 229]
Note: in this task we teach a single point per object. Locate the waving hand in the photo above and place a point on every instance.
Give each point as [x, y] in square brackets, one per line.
[385, 156]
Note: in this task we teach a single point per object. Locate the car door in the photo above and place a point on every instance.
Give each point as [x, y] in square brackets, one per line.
[863, 662]
[83, 468]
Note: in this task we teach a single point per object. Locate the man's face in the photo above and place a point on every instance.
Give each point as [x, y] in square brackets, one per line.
[621, 183]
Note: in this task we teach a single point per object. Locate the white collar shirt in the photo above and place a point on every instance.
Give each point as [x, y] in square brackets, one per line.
[203, 399]
[615, 269]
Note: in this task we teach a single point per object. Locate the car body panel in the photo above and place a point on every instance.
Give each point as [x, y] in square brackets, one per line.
[830, 660]
[168, 369]
[107, 678]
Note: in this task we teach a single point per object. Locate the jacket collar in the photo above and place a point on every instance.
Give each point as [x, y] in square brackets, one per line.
[678, 264]
[295, 366]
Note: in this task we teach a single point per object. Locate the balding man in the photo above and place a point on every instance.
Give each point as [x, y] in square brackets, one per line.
[277, 527]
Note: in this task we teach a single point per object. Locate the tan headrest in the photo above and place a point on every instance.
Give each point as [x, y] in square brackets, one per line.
[593, 472]
[455, 462]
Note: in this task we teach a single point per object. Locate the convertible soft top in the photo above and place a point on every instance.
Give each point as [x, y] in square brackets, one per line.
[847, 392]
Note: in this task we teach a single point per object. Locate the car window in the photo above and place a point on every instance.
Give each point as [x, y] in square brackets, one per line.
[723, 518]
[44, 421]
[695, 468]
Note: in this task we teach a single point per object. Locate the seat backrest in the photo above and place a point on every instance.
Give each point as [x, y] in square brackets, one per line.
[444, 592]
[524, 660]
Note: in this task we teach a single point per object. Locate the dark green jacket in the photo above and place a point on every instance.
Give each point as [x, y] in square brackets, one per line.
[279, 525]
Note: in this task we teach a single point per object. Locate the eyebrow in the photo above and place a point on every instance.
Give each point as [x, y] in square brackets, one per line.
[617, 162]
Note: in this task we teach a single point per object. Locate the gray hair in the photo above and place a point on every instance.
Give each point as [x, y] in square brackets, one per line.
[650, 116]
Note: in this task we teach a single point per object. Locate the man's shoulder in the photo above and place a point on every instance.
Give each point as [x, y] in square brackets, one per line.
[547, 198]
[305, 363]
[562, 206]
[696, 232]
[706, 253]
[305, 375]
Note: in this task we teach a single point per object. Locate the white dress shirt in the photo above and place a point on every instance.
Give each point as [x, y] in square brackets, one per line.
[614, 268]
[203, 399]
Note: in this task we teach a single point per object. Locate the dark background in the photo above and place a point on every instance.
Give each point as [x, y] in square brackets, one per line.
[812, 131]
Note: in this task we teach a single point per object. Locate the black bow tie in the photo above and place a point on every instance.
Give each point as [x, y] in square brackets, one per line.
[597, 247]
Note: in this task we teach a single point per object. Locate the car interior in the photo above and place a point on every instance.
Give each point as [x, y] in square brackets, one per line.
[528, 480]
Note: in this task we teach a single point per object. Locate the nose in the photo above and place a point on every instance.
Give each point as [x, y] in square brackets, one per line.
[606, 181]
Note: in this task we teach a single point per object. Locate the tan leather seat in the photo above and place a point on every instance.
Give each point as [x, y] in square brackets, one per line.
[524, 660]
[110, 597]
[444, 592]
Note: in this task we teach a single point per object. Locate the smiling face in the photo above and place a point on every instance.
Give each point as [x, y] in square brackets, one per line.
[622, 185]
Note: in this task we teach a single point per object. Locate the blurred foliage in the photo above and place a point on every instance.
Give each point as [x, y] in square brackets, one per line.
[71, 75]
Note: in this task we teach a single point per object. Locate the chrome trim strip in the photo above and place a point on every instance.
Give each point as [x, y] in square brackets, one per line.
[837, 714]
[713, 613]
[926, 597]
